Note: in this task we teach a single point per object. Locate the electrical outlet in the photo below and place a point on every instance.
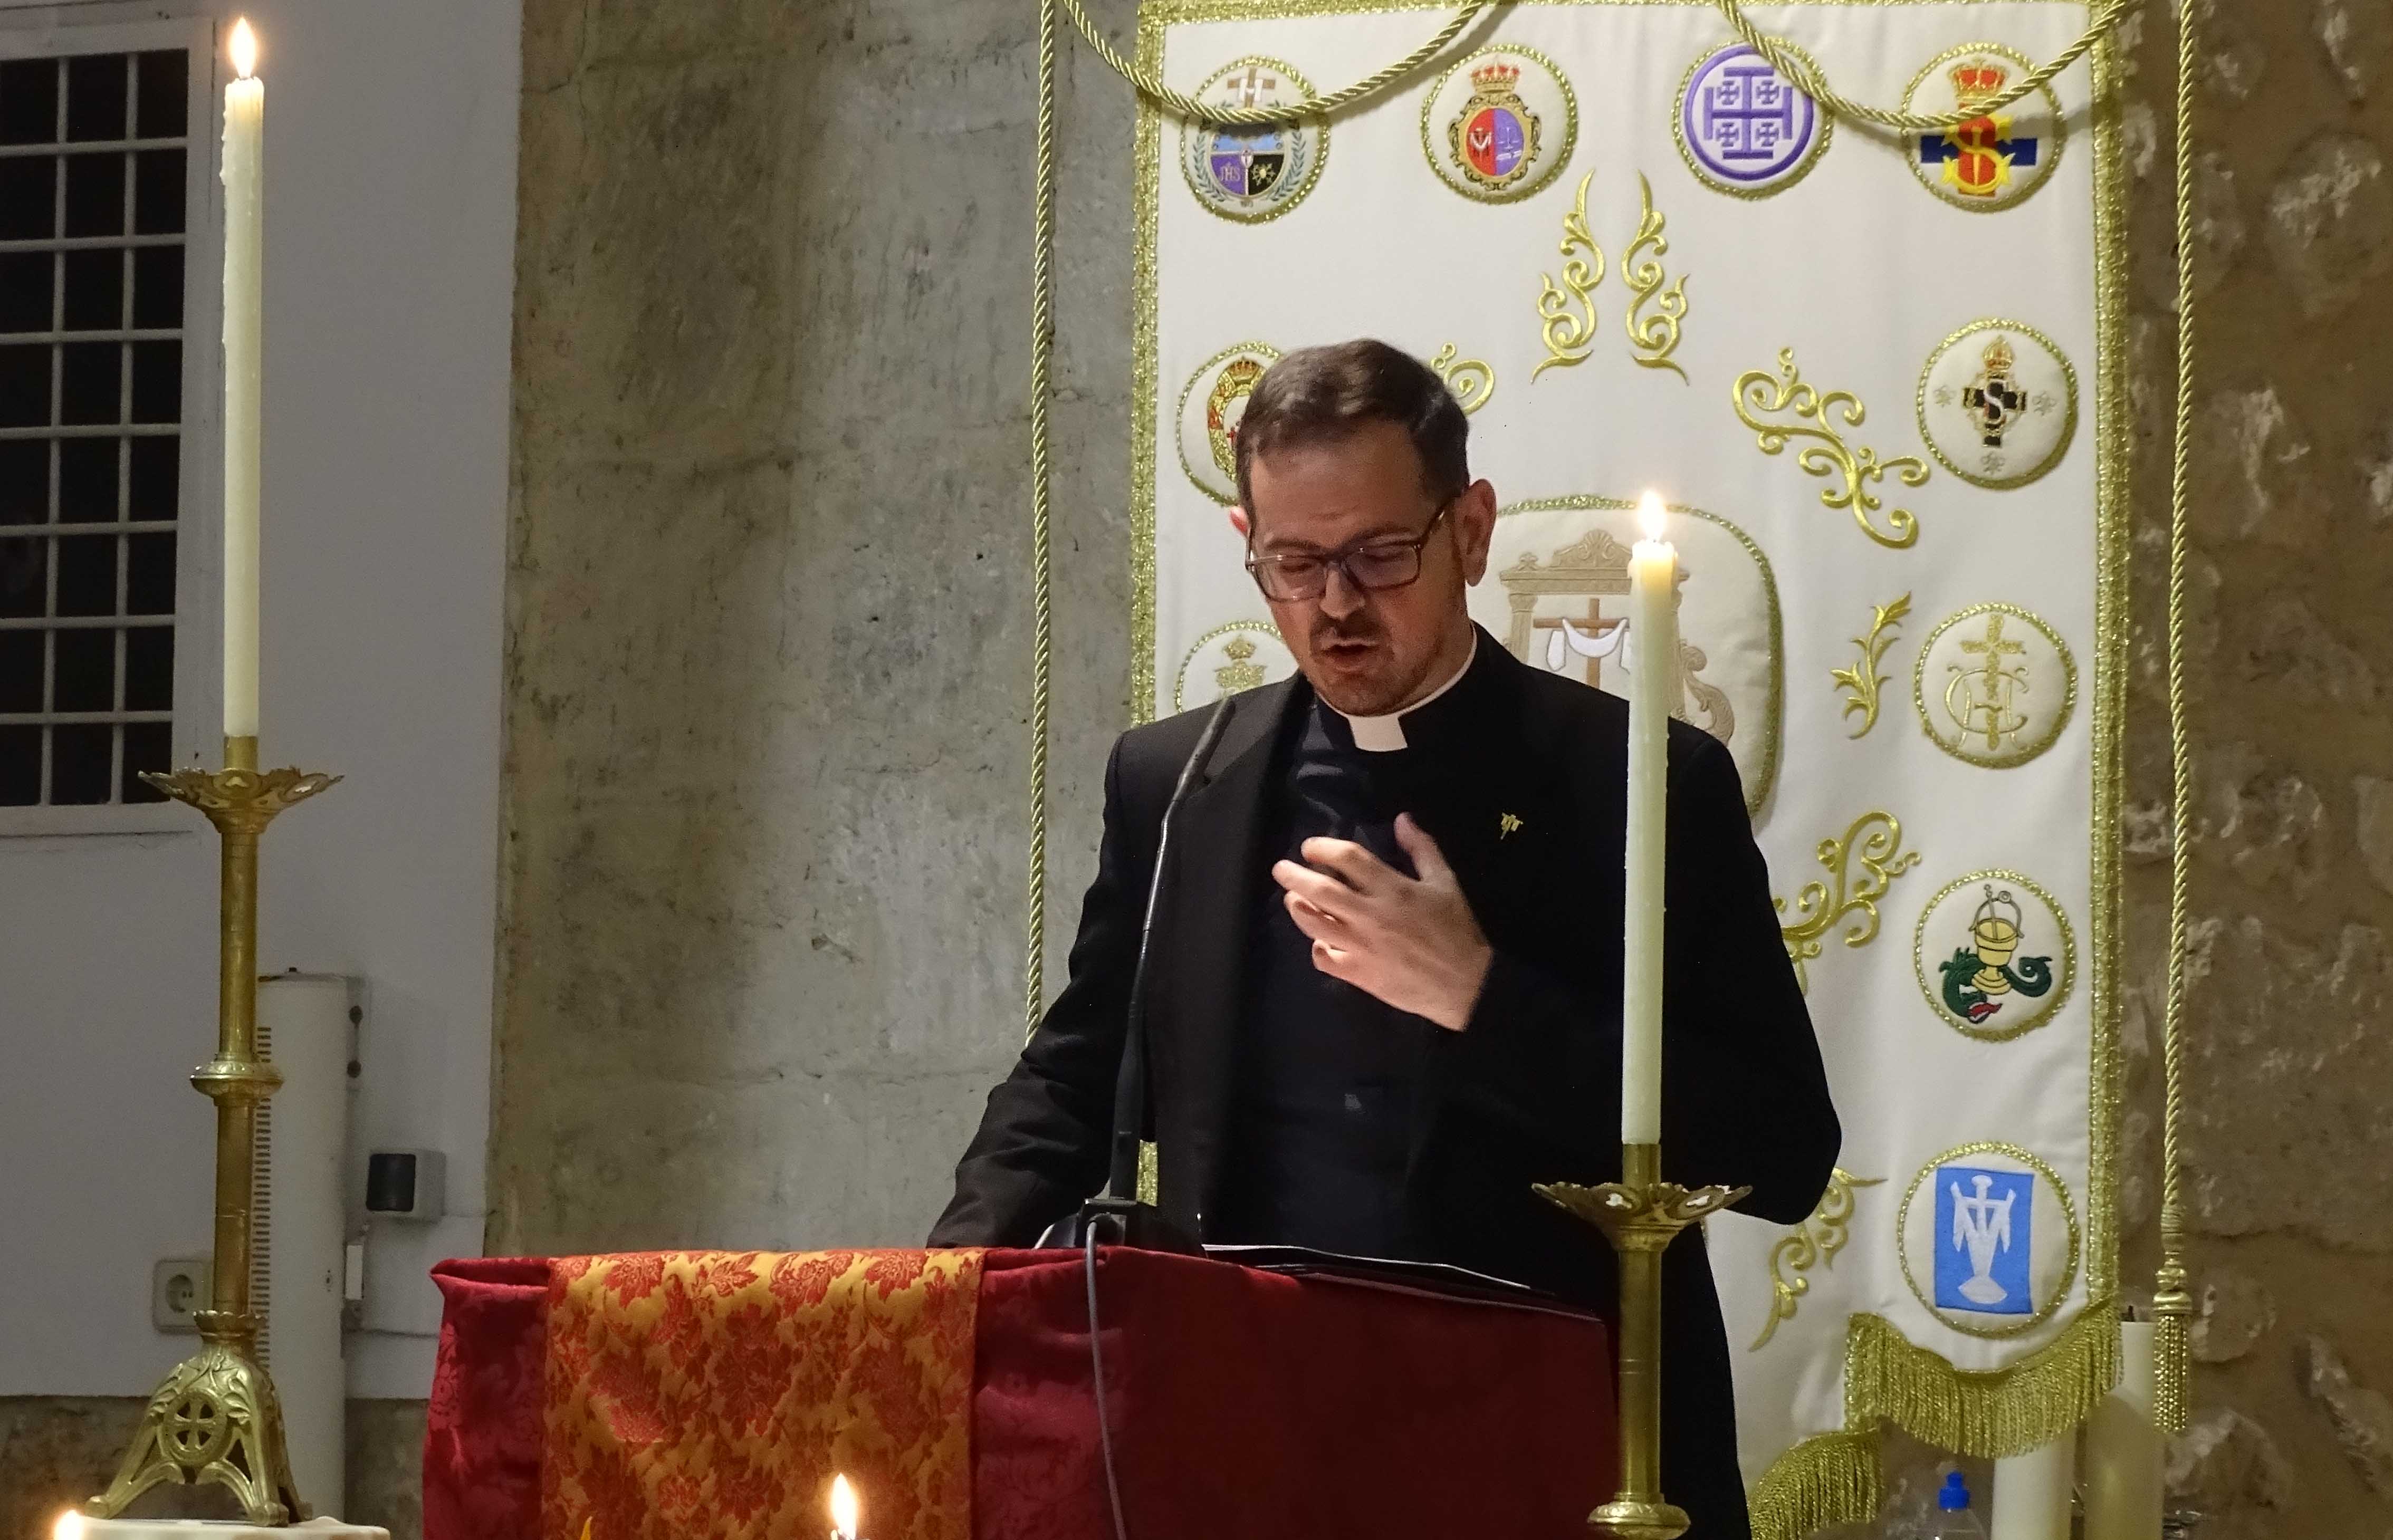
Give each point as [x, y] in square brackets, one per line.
[178, 1290]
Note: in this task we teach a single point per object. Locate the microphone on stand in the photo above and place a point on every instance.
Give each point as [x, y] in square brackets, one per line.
[1119, 1209]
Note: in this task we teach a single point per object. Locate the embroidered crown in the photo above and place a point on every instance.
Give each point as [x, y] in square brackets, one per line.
[1998, 357]
[1495, 76]
[1978, 81]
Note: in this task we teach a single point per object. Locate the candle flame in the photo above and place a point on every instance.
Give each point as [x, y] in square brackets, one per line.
[244, 49]
[1650, 514]
[842, 1507]
[69, 1527]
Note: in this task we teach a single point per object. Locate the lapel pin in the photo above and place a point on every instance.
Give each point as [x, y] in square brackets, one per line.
[1506, 824]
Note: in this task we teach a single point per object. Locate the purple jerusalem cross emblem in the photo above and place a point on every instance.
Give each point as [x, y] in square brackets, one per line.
[1745, 127]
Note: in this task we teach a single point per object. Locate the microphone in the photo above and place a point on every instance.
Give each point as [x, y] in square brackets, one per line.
[1137, 1223]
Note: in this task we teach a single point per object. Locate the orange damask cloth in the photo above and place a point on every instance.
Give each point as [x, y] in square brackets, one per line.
[712, 1395]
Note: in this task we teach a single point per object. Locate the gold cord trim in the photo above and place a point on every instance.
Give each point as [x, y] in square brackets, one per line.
[1988, 1414]
[1181, 105]
[1828, 1479]
[1043, 340]
[2172, 1300]
[1807, 80]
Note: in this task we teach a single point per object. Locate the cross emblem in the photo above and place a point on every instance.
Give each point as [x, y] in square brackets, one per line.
[1591, 625]
[1251, 86]
[1995, 682]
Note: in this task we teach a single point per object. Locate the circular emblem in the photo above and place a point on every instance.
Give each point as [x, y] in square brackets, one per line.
[1995, 686]
[1500, 124]
[1991, 162]
[1744, 128]
[1211, 405]
[1253, 173]
[1244, 655]
[1989, 1239]
[1997, 403]
[1994, 955]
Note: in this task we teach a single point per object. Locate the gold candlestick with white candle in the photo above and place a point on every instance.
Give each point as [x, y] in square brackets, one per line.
[216, 1419]
[1640, 1214]
[245, 240]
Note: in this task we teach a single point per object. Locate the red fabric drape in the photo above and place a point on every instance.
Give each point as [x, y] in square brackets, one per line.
[1242, 1403]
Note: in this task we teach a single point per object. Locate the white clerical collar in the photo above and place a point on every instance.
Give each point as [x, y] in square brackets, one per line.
[1381, 734]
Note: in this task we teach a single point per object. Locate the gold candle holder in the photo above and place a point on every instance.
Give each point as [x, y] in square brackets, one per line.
[1640, 1215]
[216, 1418]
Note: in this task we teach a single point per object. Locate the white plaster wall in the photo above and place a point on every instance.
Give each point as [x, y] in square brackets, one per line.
[389, 250]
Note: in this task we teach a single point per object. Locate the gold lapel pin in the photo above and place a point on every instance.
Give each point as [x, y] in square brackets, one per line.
[1506, 824]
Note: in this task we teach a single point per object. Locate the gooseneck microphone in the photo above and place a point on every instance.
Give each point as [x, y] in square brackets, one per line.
[1131, 1088]
[1119, 1209]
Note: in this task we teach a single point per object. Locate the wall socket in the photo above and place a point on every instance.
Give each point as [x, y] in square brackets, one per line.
[178, 1288]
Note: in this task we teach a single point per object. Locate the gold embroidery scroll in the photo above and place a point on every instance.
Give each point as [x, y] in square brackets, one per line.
[1875, 842]
[1567, 311]
[1815, 1243]
[1862, 682]
[1760, 393]
[1654, 335]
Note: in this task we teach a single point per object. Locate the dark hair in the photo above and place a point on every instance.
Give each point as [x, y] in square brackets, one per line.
[1321, 395]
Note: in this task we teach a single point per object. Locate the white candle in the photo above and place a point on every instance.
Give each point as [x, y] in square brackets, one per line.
[245, 230]
[2122, 1448]
[1653, 691]
[2032, 1492]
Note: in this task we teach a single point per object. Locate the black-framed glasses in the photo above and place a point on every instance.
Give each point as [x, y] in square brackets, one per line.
[1375, 562]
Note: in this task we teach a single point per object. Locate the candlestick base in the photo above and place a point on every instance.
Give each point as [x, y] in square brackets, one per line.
[1640, 1215]
[1633, 1519]
[216, 1419]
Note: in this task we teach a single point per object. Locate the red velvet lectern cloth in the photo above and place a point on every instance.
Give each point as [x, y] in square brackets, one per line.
[1243, 1403]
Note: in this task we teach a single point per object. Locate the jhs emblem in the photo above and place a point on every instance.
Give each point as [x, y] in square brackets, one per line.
[2011, 955]
[1253, 171]
[1991, 159]
[1998, 403]
[1500, 124]
[1743, 127]
[1995, 686]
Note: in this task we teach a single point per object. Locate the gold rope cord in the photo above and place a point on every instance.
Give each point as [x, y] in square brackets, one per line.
[1181, 105]
[1807, 80]
[2172, 1300]
[1043, 339]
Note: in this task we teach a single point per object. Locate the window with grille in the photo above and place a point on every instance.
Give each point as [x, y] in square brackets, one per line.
[96, 198]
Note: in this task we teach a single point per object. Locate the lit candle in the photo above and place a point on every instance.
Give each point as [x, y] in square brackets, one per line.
[69, 1527]
[245, 230]
[1652, 692]
[842, 1509]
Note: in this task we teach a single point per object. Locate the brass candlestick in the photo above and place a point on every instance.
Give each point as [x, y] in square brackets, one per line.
[216, 1418]
[1640, 1215]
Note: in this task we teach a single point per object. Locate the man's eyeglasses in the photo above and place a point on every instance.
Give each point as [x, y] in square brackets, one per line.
[1377, 562]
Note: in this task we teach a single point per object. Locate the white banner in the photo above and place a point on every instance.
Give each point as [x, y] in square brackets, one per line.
[1877, 378]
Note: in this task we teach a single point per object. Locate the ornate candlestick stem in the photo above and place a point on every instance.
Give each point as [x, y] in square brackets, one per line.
[216, 1418]
[1640, 1215]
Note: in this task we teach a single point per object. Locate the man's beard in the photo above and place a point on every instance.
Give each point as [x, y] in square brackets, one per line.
[1376, 695]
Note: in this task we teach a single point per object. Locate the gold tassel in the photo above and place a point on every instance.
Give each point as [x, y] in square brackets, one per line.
[1831, 1479]
[1988, 1414]
[2172, 1346]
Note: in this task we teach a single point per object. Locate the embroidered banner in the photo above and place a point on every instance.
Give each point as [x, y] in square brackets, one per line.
[715, 1393]
[1877, 378]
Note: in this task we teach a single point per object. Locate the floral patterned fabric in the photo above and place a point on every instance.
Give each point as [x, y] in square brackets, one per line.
[715, 1394]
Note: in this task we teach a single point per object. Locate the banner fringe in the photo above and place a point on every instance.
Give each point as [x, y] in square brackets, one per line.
[1990, 1414]
[1829, 1478]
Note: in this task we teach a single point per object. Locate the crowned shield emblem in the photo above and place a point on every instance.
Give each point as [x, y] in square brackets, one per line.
[1212, 404]
[1500, 124]
[1991, 160]
[1252, 172]
[1998, 403]
[1242, 655]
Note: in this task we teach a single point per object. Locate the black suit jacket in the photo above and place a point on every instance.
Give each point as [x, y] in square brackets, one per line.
[1529, 1092]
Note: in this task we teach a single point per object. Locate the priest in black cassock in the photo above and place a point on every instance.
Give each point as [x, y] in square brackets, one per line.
[1384, 994]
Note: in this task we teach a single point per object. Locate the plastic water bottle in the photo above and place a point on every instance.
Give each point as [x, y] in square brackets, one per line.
[1955, 1521]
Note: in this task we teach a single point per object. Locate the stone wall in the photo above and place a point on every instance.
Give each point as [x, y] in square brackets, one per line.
[767, 655]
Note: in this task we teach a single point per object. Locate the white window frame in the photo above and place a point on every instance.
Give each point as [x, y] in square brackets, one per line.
[199, 538]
